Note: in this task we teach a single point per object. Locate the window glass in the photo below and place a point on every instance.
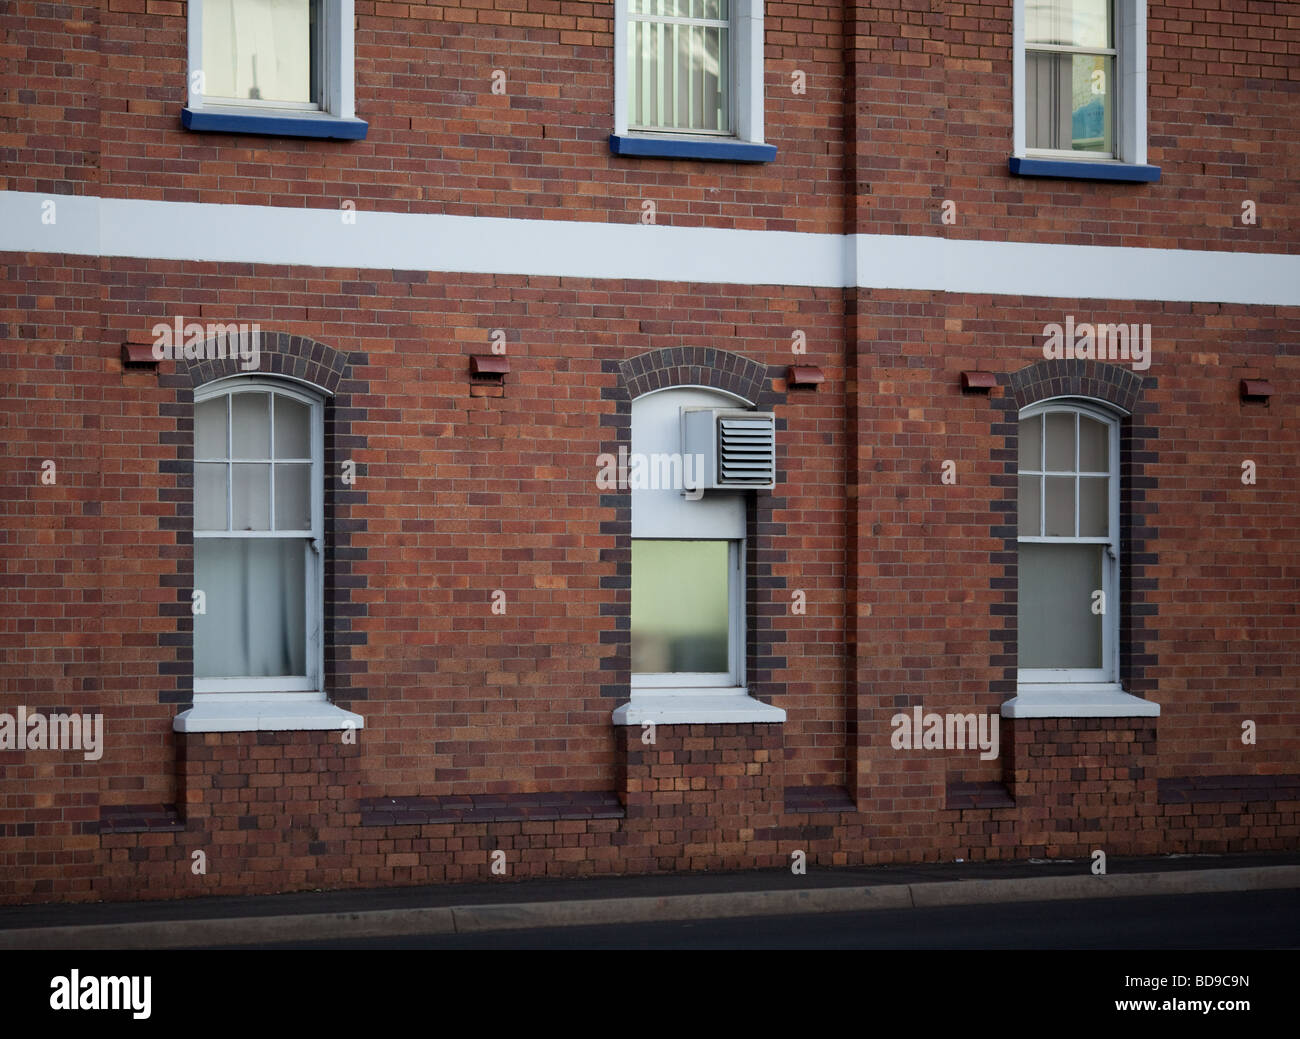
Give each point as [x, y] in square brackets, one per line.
[680, 615]
[1070, 95]
[1057, 626]
[259, 50]
[254, 625]
[678, 65]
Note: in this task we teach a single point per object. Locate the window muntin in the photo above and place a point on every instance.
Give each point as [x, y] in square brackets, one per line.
[257, 515]
[1069, 544]
[262, 52]
[679, 66]
[1071, 77]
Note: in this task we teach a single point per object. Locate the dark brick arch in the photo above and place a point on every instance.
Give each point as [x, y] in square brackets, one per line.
[333, 372]
[294, 357]
[1113, 384]
[694, 366]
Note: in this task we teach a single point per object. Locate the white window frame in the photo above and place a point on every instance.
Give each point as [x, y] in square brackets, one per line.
[335, 62]
[309, 687]
[733, 679]
[1130, 93]
[1108, 673]
[745, 90]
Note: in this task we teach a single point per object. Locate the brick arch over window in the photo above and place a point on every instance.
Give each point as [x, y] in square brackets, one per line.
[333, 372]
[1112, 383]
[753, 382]
[1121, 387]
[694, 366]
[290, 356]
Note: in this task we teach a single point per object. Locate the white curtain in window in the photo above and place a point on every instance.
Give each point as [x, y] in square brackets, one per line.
[1057, 626]
[257, 49]
[254, 626]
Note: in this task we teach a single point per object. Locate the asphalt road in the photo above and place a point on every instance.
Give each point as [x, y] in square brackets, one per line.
[1236, 920]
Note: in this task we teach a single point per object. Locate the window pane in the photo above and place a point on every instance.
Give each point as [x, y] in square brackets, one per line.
[250, 419]
[1094, 446]
[1094, 507]
[210, 428]
[252, 496]
[1078, 23]
[1060, 441]
[209, 495]
[1092, 110]
[258, 49]
[1030, 505]
[255, 625]
[293, 497]
[1060, 506]
[292, 428]
[1057, 625]
[680, 619]
[1031, 443]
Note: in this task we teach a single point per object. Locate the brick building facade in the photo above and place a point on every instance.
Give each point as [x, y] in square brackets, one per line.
[475, 691]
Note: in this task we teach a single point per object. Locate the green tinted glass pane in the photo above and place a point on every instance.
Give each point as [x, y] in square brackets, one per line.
[258, 49]
[680, 617]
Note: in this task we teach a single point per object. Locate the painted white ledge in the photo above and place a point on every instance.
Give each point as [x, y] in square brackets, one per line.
[209, 232]
[696, 709]
[265, 716]
[1077, 701]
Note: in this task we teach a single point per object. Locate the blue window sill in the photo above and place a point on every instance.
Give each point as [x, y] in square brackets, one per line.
[229, 120]
[720, 149]
[1064, 168]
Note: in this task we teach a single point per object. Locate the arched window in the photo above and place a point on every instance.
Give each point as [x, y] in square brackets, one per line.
[258, 502]
[688, 556]
[1068, 545]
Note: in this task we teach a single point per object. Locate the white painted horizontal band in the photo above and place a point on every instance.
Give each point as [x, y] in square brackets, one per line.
[145, 229]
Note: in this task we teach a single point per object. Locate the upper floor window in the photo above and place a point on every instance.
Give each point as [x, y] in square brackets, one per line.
[688, 79]
[280, 67]
[258, 500]
[1080, 89]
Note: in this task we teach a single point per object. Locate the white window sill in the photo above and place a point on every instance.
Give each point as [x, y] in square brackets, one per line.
[702, 707]
[1065, 700]
[264, 715]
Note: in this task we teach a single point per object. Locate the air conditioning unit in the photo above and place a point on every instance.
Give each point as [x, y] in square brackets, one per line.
[738, 447]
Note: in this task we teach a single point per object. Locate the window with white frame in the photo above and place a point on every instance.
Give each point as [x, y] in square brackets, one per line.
[258, 500]
[1080, 73]
[688, 557]
[1068, 545]
[689, 68]
[287, 63]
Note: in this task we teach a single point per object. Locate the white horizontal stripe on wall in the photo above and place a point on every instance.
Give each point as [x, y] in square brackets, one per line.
[574, 249]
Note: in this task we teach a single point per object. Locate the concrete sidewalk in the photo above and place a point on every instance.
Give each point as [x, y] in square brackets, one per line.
[507, 905]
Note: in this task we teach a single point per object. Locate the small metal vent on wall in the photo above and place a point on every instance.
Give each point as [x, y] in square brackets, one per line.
[738, 447]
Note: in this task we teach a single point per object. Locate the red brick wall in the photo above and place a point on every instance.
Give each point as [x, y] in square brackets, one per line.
[921, 90]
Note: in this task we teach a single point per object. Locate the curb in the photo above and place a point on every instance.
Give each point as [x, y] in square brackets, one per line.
[256, 930]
